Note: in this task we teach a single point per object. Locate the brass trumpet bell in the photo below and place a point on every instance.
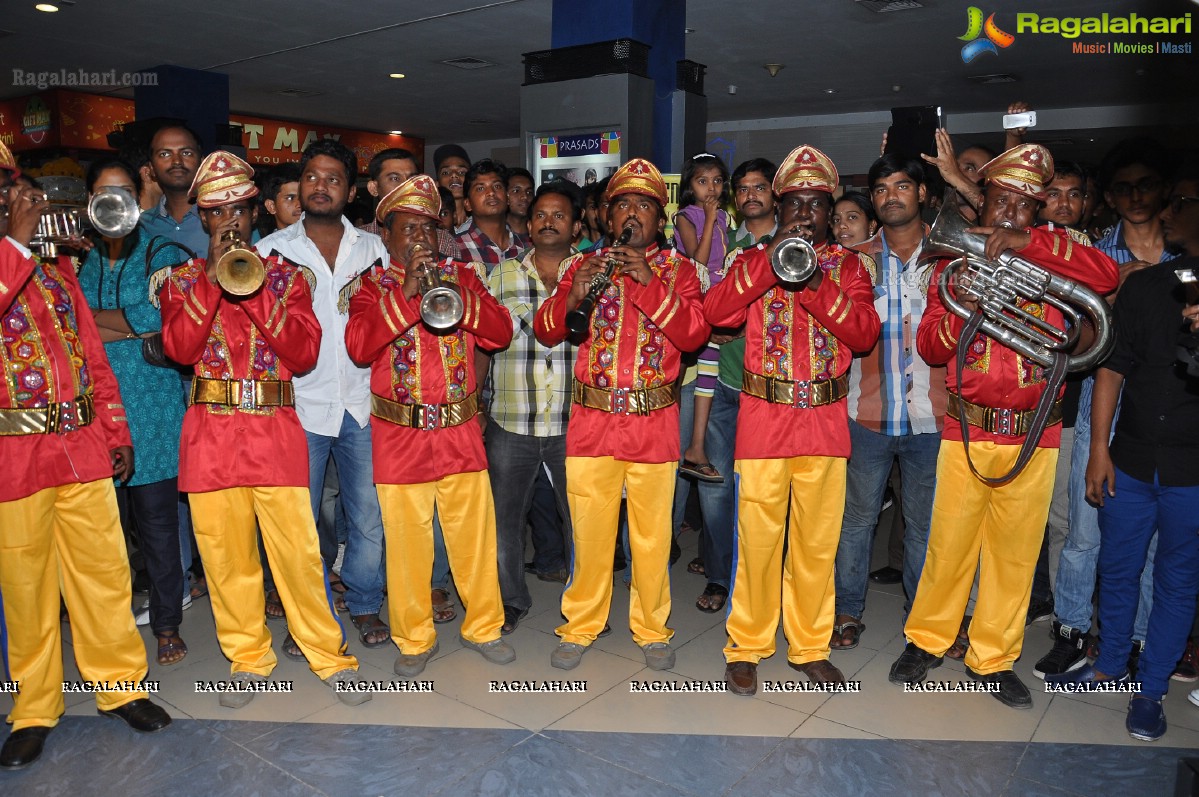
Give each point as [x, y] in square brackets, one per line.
[794, 260]
[240, 270]
[112, 212]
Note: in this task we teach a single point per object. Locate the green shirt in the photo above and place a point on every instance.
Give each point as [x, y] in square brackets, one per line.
[732, 354]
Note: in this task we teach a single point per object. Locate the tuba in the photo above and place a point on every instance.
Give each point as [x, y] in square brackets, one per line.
[440, 305]
[112, 211]
[240, 270]
[999, 284]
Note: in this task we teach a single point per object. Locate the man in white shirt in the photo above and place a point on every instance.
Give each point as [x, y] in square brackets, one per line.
[333, 399]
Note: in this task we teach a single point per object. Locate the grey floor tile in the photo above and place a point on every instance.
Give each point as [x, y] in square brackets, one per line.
[379, 759]
[1100, 770]
[700, 764]
[1021, 787]
[542, 767]
[241, 731]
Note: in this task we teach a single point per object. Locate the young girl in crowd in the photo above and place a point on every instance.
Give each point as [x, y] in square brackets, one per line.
[700, 230]
[853, 219]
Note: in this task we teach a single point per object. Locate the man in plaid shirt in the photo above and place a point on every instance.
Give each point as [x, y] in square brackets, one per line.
[530, 392]
[487, 238]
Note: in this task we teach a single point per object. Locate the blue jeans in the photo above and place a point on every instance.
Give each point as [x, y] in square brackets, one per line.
[1127, 521]
[866, 475]
[1080, 555]
[717, 500]
[362, 569]
[514, 461]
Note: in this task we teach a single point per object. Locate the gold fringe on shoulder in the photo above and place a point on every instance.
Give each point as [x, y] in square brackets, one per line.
[871, 267]
[156, 281]
[565, 265]
[352, 287]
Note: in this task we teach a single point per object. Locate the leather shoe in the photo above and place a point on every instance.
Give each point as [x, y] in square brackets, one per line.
[1146, 719]
[886, 575]
[141, 715]
[741, 677]
[913, 665]
[1012, 691]
[821, 671]
[23, 747]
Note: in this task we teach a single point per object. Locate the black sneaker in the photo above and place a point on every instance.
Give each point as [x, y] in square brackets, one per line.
[1012, 692]
[1134, 658]
[913, 665]
[1069, 652]
[1039, 610]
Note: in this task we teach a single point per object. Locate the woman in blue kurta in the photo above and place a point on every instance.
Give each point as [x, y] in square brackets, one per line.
[113, 278]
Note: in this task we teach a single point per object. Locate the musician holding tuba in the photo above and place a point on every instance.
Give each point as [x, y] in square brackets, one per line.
[624, 426]
[805, 316]
[243, 455]
[995, 393]
[428, 445]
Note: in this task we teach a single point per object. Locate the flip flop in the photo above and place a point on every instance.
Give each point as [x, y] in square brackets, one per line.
[274, 602]
[168, 645]
[713, 599]
[701, 470]
[368, 624]
[443, 607]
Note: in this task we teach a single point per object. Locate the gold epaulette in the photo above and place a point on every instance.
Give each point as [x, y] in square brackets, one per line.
[353, 286]
[1079, 236]
[701, 271]
[565, 265]
[869, 265]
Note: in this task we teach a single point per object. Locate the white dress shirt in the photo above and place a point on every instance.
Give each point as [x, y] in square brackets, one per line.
[336, 384]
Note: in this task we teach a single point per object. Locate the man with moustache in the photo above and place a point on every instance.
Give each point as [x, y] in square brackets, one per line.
[623, 432]
[792, 435]
[63, 437]
[996, 391]
[530, 395]
[429, 455]
[242, 450]
[487, 238]
[174, 158]
[896, 400]
[520, 196]
[333, 398]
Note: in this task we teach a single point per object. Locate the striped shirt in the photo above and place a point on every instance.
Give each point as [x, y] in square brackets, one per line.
[892, 390]
[1112, 244]
[530, 383]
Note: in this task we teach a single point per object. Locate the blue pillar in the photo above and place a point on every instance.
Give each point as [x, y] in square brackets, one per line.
[658, 23]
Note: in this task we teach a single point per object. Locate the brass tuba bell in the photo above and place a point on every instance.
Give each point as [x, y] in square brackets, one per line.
[240, 270]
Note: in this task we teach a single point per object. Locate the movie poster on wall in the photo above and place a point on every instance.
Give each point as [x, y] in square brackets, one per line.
[579, 158]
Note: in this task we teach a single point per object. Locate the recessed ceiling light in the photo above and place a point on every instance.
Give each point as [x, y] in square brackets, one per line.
[49, 8]
[830, 91]
[396, 75]
[395, 132]
[688, 30]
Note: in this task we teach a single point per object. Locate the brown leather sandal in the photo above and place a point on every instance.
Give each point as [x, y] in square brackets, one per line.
[443, 607]
[171, 648]
[958, 649]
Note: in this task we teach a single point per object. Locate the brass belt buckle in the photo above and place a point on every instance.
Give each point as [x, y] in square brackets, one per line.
[68, 417]
[247, 399]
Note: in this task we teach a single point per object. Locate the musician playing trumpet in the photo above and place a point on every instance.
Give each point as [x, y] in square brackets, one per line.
[997, 391]
[428, 445]
[624, 425]
[793, 425]
[243, 455]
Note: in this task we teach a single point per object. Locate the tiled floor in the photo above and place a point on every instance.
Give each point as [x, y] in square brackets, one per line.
[463, 739]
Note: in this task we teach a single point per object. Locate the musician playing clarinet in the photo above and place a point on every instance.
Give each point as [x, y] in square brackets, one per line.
[428, 448]
[624, 426]
[997, 391]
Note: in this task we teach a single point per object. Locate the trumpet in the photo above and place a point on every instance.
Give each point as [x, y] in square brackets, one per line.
[440, 305]
[794, 260]
[999, 284]
[112, 212]
[579, 319]
[240, 270]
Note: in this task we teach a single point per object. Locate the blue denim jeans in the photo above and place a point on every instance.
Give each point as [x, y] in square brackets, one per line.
[1128, 521]
[717, 500]
[362, 568]
[514, 460]
[1080, 555]
[866, 475]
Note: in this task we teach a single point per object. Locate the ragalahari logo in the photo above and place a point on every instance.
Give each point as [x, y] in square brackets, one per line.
[993, 38]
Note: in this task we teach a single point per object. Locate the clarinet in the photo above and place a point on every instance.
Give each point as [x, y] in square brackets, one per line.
[579, 319]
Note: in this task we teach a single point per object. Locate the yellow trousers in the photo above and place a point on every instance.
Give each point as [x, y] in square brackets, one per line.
[593, 489]
[1005, 526]
[66, 538]
[464, 506]
[800, 587]
[228, 543]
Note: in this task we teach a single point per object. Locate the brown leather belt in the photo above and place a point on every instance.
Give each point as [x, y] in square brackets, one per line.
[244, 394]
[60, 418]
[623, 400]
[425, 416]
[804, 395]
[996, 420]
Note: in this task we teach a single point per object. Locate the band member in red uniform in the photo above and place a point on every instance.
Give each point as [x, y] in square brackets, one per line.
[624, 426]
[428, 448]
[998, 393]
[243, 455]
[63, 437]
[793, 427]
